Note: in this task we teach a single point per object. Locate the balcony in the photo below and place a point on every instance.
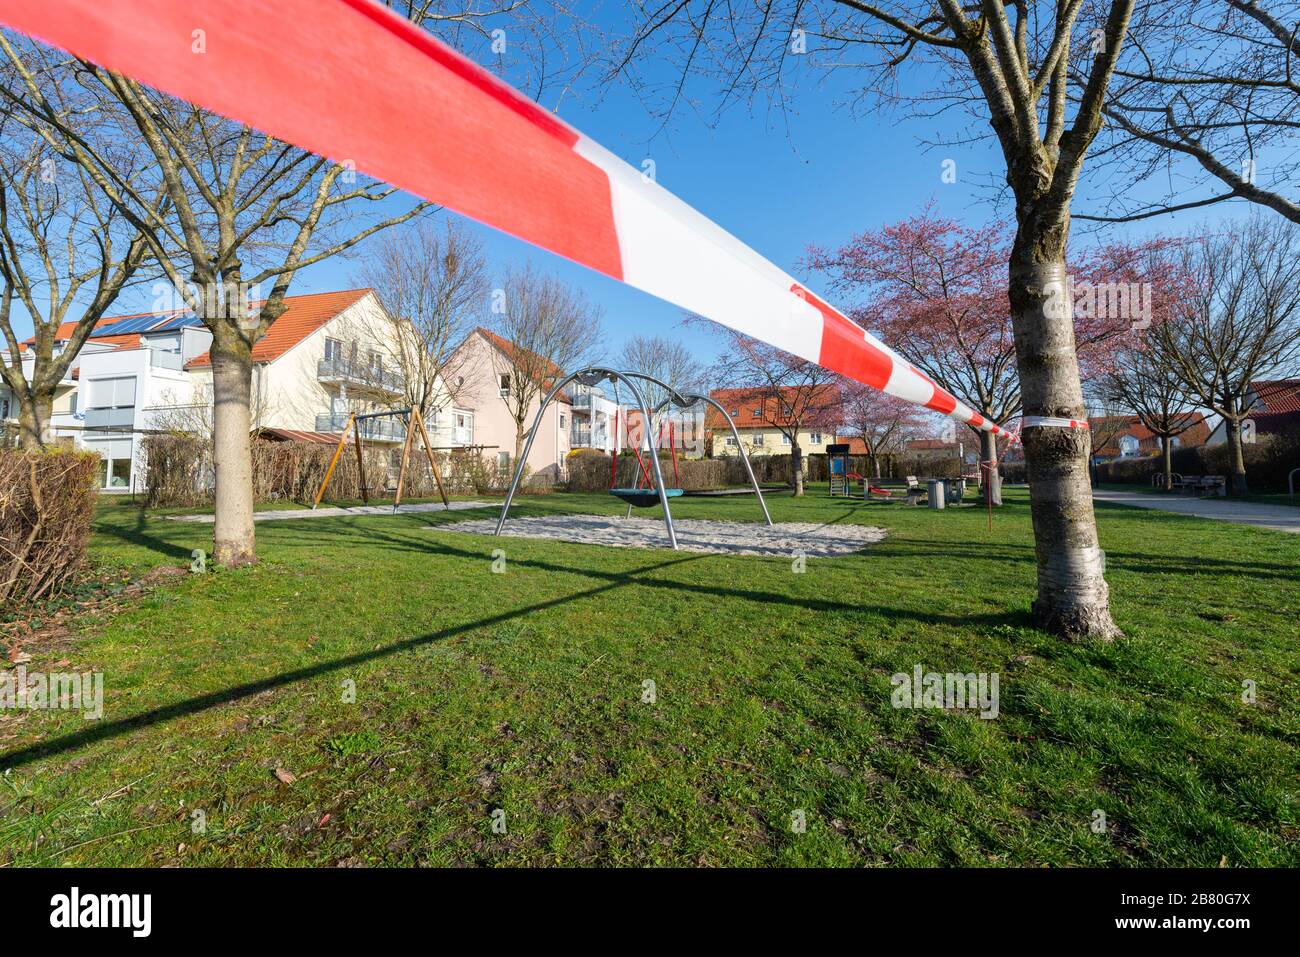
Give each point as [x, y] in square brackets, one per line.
[359, 375]
[580, 438]
[581, 400]
[390, 429]
[105, 419]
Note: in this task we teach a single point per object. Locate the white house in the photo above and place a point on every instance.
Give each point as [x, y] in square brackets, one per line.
[328, 355]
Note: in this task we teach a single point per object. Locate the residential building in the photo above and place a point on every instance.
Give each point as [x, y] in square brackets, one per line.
[1124, 437]
[762, 419]
[486, 365]
[1275, 411]
[594, 420]
[327, 356]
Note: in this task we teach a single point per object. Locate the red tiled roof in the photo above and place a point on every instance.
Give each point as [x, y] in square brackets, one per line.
[65, 331]
[929, 445]
[302, 316]
[1112, 428]
[513, 352]
[742, 404]
[1277, 395]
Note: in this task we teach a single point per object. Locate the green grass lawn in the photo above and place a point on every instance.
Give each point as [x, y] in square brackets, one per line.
[522, 692]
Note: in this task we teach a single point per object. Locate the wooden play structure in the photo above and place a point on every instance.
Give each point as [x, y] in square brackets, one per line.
[413, 421]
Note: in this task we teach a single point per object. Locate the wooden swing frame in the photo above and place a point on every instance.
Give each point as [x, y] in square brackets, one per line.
[413, 420]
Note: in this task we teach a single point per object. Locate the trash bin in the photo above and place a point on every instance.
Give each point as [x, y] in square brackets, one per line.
[936, 493]
[956, 491]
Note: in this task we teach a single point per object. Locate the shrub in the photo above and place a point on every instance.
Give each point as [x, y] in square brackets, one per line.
[1267, 463]
[178, 472]
[47, 501]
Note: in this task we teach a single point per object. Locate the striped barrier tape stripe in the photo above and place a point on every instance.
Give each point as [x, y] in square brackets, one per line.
[353, 81]
[1049, 422]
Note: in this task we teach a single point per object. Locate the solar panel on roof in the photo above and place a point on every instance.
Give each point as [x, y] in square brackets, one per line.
[179, 322]
[134, 324]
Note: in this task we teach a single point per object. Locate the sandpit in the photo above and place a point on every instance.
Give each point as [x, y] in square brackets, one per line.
[814, 540]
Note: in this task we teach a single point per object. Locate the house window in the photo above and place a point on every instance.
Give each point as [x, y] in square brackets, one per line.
[785, 439]
[561, 420]
[114, 463]
[814, 438]
[1128, 446]
[758, 413]
[503, 383]
[735, 412]
[333, 349]
[731, 440]
[760, 439]
[377, 363]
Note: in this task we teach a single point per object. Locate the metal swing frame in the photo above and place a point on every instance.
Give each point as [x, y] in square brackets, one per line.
[594, 376]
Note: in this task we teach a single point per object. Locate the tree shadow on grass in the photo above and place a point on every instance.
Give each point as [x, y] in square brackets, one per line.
[111, 729]
[136, 535]
[426, 546]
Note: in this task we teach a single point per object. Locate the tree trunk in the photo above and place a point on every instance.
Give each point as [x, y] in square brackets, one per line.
[1167, 454]
[990, 480]
[796, 468]
[1073, 599]
[34, 413]
[875, 467]
[232, 388]
[1236, 456]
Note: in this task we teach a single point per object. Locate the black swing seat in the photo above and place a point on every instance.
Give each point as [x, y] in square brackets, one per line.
[643, 497]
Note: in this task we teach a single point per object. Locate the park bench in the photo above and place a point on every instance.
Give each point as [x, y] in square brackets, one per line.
[916, 492]
[1215, 485]
[1187, 484]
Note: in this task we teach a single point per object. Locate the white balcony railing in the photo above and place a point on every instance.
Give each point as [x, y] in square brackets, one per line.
[390, 429]
[359, 374]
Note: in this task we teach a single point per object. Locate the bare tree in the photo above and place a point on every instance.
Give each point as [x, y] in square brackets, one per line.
[547, 328]
[793, 395]
[64, 251]
[432, 280]
[1145, 379]
[1010, 67]
[668, 361]
[1242, 322]
[240, 210]
[1209, 89]
[885, 423]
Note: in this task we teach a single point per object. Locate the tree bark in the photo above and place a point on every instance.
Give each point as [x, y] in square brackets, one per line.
[1236, 456]
[796, 468]
[1073, 599]
[1167, 454]
[34, 413]
[232, 388]
[990, 480]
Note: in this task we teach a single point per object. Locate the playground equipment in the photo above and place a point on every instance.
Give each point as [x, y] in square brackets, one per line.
[413, 421]
[650, 489]
[838, 464]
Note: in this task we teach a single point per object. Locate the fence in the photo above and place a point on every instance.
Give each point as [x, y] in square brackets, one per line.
[590, 471]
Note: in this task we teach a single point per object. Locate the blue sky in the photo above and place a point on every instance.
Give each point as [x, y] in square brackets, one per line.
[815, 174]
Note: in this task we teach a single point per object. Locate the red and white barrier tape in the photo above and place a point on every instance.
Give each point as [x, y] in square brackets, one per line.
[353, 81]
[1048, 422]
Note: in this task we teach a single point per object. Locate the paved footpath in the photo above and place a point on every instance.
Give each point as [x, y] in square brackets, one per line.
[336, 510]
[1282, 518]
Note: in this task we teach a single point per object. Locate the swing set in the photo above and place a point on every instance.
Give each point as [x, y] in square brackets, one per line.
[414, 420]
[649, 488]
